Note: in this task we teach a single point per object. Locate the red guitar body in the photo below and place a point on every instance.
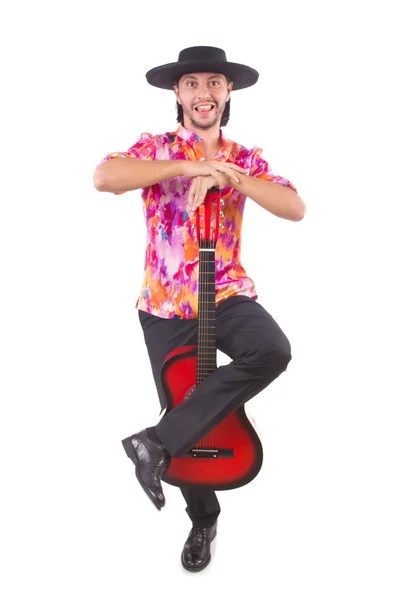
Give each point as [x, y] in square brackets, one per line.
[231, 454]
[234, 433]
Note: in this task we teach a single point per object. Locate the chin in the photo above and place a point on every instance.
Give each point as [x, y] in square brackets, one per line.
[204, 125]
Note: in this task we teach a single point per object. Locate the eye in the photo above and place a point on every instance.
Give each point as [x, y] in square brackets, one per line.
[215, 82]
[190, 82]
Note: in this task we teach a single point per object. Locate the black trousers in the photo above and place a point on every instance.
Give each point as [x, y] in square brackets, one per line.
[260, 352]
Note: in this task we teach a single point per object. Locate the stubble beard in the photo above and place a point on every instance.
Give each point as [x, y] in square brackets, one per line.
[201, 124]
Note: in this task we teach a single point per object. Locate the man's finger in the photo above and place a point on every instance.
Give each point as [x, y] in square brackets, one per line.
[190, 196]
[237, 168]
[217, 177]
[233, 166]
[197, 192]
[201, 193]
[230, 172]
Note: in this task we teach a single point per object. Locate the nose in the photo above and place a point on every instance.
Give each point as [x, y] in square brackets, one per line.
[203, 92]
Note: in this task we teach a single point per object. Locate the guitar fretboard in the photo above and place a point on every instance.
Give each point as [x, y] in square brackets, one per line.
[206, 354]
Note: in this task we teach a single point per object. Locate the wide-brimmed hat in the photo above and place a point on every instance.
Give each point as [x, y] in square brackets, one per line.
[202, 59]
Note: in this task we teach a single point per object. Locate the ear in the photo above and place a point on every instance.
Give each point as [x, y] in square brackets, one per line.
[229, 89]
[177, 94]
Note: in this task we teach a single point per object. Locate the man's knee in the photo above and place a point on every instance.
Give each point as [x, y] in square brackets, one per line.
[283, 357]
[277, 356]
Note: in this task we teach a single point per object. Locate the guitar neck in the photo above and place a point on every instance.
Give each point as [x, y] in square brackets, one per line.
[206, 353]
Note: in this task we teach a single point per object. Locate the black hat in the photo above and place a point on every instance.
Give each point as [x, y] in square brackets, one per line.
[202, 59]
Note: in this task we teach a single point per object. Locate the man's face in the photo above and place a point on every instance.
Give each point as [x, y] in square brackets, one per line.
[203, 97]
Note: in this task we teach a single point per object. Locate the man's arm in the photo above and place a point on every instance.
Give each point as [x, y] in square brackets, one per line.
[278, 199]
[120, 175]
[125, 174]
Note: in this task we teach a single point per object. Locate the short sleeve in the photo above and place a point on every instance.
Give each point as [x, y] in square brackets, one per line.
[143, 149]
[260, 168]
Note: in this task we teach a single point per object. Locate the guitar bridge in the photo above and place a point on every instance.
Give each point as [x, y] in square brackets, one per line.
[211, 453]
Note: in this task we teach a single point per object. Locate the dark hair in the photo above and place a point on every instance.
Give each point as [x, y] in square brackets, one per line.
[225, 115]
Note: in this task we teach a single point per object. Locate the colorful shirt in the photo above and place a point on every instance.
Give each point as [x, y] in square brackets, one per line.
[170, 282]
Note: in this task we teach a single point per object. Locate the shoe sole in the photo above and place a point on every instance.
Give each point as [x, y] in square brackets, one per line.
[130, 452]
[201, 567]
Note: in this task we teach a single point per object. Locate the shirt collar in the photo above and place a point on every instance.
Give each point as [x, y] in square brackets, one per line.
[193, 138]
[189, 136]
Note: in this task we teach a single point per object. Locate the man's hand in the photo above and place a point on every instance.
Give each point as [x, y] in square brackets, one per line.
[203, 168]
[201, 184]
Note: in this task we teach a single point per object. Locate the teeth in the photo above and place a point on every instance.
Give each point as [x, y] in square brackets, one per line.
[204, 107]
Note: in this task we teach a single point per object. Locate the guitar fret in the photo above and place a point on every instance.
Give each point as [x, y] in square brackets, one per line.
[206, 360]
[207, 349]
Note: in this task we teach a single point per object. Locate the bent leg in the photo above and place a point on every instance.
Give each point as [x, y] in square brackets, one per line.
[260, 352]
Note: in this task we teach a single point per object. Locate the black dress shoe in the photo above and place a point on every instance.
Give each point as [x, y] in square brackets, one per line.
[151, 461]
[196, 552]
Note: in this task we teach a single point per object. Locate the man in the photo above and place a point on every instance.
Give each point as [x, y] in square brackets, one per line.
[175, 171]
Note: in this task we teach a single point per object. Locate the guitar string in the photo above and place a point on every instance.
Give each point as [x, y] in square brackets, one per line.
[209, 299]
[209, 267]
[207, 263]
[206, 280]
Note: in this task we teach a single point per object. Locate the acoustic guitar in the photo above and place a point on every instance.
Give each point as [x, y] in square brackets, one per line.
[231, 454]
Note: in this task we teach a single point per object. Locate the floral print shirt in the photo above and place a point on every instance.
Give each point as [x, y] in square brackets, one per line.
[170, 282]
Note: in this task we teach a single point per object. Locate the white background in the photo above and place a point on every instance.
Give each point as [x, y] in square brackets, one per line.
[319, 521]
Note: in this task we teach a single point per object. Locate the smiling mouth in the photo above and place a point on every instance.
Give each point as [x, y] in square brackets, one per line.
[204, 108]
